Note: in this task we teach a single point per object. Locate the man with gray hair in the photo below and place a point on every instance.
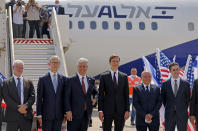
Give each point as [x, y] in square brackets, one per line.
[78, 98]
[19, 95]
[50, 97]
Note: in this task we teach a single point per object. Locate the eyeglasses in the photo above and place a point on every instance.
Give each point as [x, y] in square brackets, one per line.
[55, 63]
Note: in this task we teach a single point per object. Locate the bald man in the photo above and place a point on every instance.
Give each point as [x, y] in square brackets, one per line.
[147, 102]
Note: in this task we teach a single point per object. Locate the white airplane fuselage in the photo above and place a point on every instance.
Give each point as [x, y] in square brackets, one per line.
[174, 22]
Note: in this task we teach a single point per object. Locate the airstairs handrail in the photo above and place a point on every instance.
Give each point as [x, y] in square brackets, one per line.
[11, 41]
[56, 36]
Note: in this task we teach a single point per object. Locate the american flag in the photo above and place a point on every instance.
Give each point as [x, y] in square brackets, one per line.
[163, 62]
[189, 72]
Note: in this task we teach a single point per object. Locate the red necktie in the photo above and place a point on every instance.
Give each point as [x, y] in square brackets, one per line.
[83, 85]
[114, 80]
[84, 91]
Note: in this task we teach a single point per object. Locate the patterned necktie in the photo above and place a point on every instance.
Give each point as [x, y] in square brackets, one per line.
[83, 86]
[19, 87]
[54, 82]
[175, 88]
[114, 80]
[84, 91]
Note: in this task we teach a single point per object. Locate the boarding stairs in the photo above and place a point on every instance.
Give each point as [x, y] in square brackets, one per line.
[35, 53]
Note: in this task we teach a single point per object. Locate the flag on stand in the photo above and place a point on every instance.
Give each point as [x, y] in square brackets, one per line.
[195, 67]
[150, 68]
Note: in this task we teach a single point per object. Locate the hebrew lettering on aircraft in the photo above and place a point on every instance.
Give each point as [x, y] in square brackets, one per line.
[118, 11]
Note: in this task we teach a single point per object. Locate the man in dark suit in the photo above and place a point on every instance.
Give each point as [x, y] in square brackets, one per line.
[59, 10]
[194, 104]
[176, 97]
[113, 102]
[78, 98]
[147, 102]
[50, 100]
[19, 95]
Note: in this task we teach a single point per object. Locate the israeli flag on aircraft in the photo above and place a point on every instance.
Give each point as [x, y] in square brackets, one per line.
[150, 68]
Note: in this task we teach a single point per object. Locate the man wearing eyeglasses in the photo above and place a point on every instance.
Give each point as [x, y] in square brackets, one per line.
[50, 104]
[176, 97]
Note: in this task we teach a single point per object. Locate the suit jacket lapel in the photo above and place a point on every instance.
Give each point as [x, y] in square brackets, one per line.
[25, 89]
[119, 79]
[59, 82]
[110, 78]
[79, 83]
[180, 86]
[49, 80]
[142, 88]
[170, 87]
[15, 89]
[89, 85]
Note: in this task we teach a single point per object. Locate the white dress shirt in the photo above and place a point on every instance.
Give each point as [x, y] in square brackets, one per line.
[16, 81]
[112, 74]
[85, 81]
[173, 83]
[149, 87]
[52, 76]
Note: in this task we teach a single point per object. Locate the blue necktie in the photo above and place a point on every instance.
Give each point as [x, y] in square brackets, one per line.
[54, 82]
[19, 87]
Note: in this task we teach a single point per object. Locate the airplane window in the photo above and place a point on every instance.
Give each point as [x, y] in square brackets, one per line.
[141, 25]
[70, 24]
[105, 25]
[128, 25]
[154, 25]
[81, 25]
[191, 26]
[93, 25]
[116, 25]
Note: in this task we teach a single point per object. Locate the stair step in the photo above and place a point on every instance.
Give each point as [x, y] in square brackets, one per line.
[29, 56]
[32, 53]
[36, 68]
[34, 58]
[33, 74]
[36, 64]
[34, 46]
[33, 77]
[21, 48]
[35, 71]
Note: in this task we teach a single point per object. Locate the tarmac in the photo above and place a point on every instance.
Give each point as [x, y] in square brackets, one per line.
[96, 124]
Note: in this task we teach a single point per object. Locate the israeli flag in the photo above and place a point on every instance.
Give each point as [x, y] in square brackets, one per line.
[195, 66]
[2, 78]
[150, 68]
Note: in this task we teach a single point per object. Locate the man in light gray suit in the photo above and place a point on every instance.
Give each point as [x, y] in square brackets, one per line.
[19, 95]
[176, 97]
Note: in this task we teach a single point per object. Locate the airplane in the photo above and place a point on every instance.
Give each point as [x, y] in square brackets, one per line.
[129, 28]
